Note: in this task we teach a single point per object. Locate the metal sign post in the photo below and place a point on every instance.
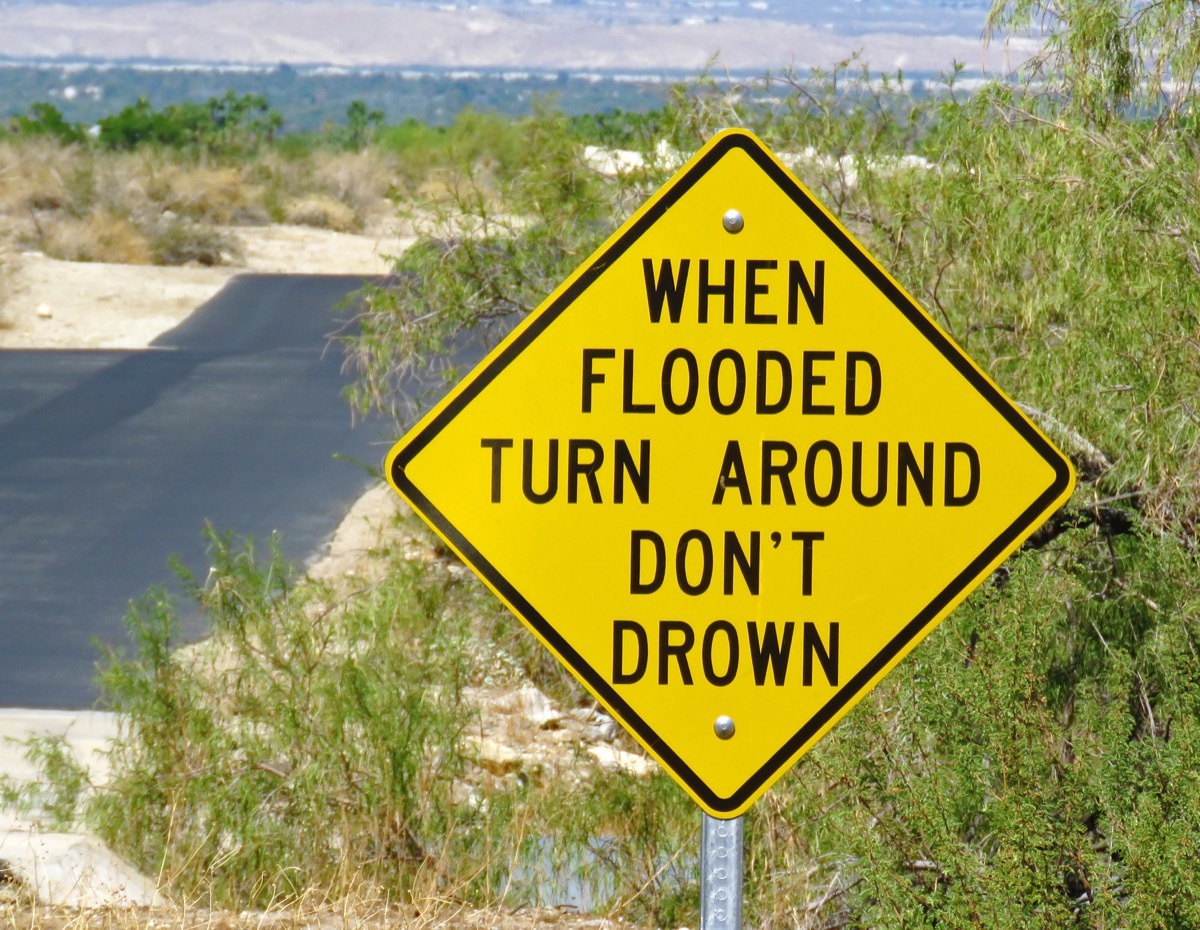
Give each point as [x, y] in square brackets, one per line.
[721, 874]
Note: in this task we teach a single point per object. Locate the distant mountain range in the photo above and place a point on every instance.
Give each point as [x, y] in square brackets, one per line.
[611, 36]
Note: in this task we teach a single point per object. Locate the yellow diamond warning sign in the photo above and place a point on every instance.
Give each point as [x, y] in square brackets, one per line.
[730, 473]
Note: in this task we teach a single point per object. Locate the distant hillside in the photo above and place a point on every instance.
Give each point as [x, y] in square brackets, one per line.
[625, 35]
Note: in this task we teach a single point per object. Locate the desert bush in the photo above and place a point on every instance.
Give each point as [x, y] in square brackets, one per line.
[178, 241]
[490, 251]
[362, 123]
[302, 746]
[323, 212]
[484, 142]
[36, 175]
[205, 193]
[101, 237]
[362, 180]
[314, 746]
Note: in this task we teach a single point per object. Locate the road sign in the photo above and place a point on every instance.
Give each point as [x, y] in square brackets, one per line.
[730, 473]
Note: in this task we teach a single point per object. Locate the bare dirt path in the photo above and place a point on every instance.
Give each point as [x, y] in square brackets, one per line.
[84, 305]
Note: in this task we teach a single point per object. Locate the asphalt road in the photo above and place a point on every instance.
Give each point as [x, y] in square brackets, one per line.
[112, 461]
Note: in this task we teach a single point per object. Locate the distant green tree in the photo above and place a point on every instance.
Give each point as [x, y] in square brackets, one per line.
[361, 124]
[223, 125]
[141, 124]
[242, 123]
[618, 128]
[45, 119]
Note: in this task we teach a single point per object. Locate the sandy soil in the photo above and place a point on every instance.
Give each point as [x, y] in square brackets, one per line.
[76, 305]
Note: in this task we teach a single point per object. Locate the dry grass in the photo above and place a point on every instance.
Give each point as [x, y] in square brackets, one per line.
[210, 194]
[360, 180]
[81, 204]
[36, 175]
[101, 237]
[323, 212]
[360, 913]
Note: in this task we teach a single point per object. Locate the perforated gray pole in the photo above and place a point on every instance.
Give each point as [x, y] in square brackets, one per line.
[721, 874]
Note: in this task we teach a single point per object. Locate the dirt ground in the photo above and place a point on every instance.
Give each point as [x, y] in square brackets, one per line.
[82, 305]
[436, 915]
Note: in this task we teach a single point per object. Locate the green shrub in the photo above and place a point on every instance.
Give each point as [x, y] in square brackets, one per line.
[177, 241]
[299, 747]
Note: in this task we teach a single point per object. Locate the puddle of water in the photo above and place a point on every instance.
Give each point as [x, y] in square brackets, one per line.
[583, 881]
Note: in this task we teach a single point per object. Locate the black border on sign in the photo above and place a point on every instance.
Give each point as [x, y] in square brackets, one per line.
[680, 186]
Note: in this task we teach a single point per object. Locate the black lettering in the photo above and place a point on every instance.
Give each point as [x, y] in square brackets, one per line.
[827, 657]
[638, 476]
[636, 584]
[706, 653]
[733, 474]
[808, 537]
[921, 477]
[668, 381]
[619, 675]
[853, 383]
[753, 289]
[748, 565]
[814, 294]
[496, 445]
[856, 475]
[667, 649]
[739, 382]
[591, 376]
[762, 405]
[627, 402]
[782, 471]
[709, 288]
[767, 653]
[953, 450]
[706, 562]
[835, 473]
[578, 468]
[810, 380]
[667, 288]
[527, 472]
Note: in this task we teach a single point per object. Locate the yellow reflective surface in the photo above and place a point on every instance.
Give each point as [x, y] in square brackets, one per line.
[730, 474]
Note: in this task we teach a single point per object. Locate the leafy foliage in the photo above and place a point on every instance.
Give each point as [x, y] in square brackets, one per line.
[45, 119]
[301, 749]
[362, 123]
[227, 124]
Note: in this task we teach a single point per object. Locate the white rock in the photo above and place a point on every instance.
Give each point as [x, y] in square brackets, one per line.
[44, 312]
[534, 706]
[71, 870]
[498, 758]
[612, 163]
[605, 727]
[609, 757]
